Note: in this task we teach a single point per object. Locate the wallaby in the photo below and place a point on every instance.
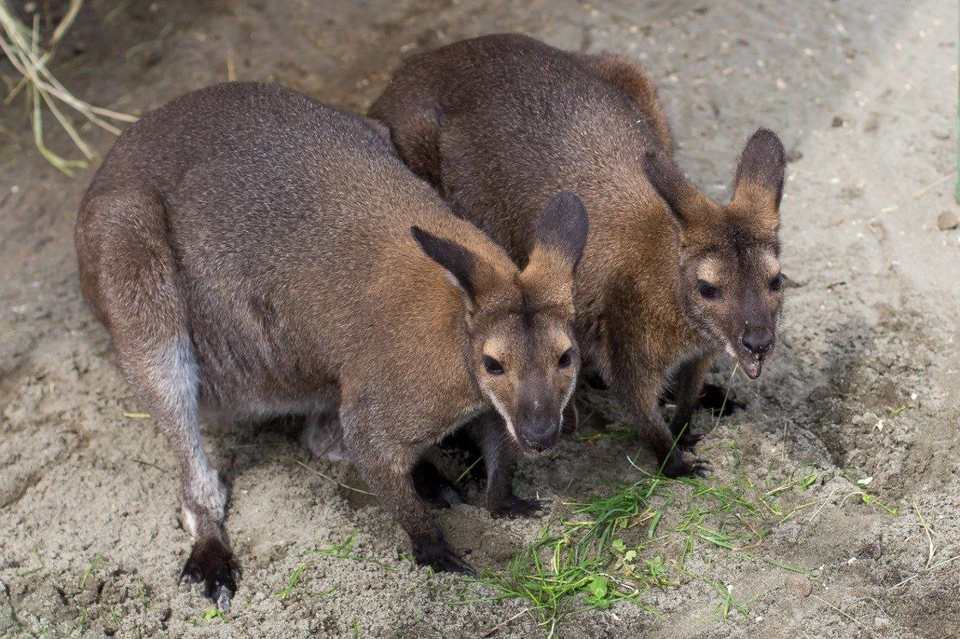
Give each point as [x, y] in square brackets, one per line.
[669, 278]
[252, 250]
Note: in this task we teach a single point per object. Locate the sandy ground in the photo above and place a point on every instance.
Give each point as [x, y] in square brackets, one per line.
[866, 384]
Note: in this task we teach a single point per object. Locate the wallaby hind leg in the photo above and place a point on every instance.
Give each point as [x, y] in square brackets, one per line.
[138, 293]
[629, 77]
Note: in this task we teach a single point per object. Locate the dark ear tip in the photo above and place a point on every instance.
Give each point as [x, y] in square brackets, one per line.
[419, 234]
[571, 202]
[566, 198]
[767, 138]
[565, 209]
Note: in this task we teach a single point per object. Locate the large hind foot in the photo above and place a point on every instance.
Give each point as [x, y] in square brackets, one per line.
[212, 564]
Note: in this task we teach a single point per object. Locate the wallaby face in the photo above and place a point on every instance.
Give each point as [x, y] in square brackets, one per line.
[730, 286]
[523, 355]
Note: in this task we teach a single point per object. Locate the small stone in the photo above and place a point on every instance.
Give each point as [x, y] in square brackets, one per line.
[800, 586]
[947, 220]
[837, 122]
[794, 154]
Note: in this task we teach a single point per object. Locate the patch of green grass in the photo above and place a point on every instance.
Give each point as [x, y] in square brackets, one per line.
[617, 546]
[728, 603]
[31, 571]
[896, 412]
[344, 550]
[81, 622]
[93, 566]
[553, 572]
[209, 616]
[286, 592]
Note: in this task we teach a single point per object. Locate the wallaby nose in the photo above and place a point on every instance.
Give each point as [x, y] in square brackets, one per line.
[540, 434]
[757, 340]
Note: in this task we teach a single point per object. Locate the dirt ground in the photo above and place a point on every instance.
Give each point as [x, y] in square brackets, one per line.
[863, 399]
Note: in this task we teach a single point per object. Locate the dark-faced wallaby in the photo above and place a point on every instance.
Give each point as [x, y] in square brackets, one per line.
[255, 251]
[669, 278]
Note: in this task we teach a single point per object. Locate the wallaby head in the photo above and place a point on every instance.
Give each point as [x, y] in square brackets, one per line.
[523, 356]
[730, 286]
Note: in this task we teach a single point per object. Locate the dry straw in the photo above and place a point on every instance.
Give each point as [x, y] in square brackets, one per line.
[21, 46]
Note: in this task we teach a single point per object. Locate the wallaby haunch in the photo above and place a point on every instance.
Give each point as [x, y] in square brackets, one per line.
[252, 250]
[669, 278]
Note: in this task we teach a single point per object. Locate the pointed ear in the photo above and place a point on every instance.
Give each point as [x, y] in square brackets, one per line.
[561, 233]
[463, 267]
[559, 240]
[758, 187]
[668, 181]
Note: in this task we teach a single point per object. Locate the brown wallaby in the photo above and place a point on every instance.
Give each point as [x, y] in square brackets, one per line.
[253, 250]
[669, 278]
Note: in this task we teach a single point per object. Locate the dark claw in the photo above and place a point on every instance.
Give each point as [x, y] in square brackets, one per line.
[212, 563]
[688, 440]
[440, 556]
[679, 465]
[514, 507]
[712, 398]
[702, 469]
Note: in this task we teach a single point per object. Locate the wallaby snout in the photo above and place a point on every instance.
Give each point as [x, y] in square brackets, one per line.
[757, 339]
[538, 434]
[538, 418]
[757, 342]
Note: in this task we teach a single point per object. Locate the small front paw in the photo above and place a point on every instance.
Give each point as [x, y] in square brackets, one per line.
[680, 465]
[514, 507]
[212, 564]
[688, 440]
[440, 556]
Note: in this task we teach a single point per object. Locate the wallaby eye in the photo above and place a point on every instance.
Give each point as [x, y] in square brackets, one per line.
[707, 290]
[566, 359]
[776, 283]
[492, 366]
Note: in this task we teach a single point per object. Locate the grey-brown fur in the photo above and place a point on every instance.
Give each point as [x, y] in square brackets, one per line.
[255, 251]
[500, 122]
